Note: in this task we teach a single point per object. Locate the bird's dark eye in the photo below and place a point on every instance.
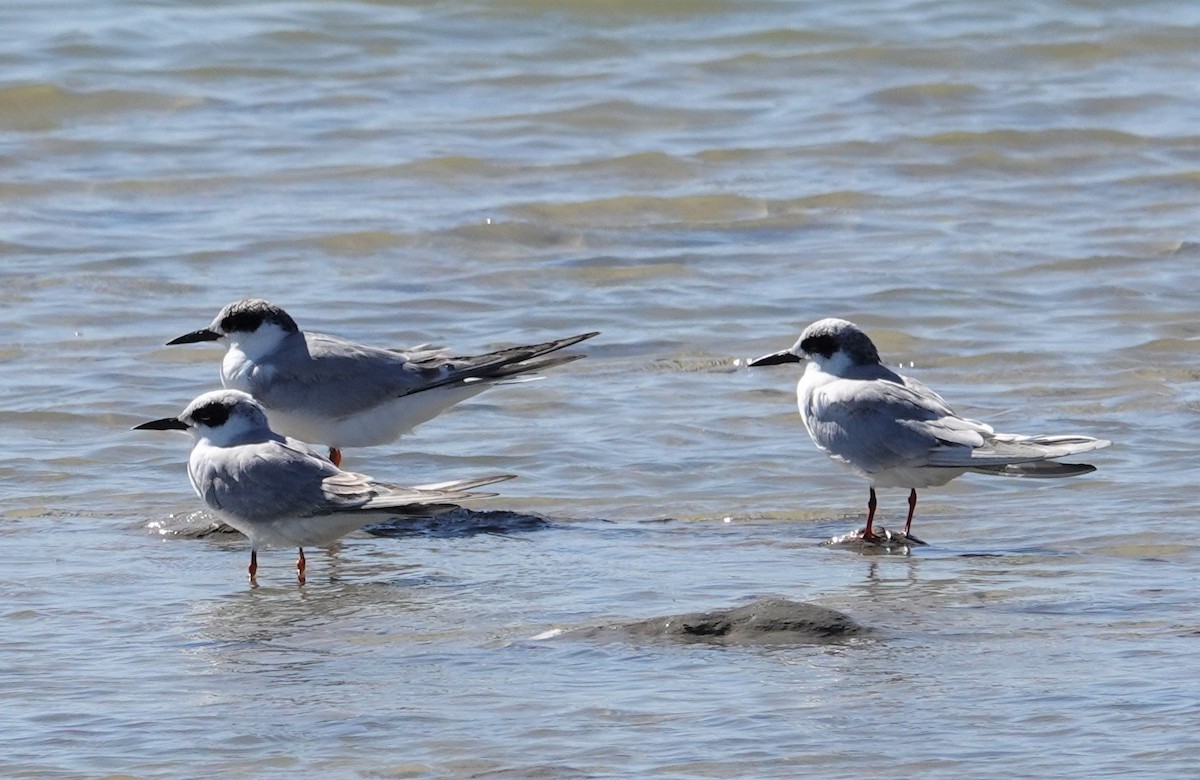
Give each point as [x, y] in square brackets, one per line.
[213, 415]
[824, 345]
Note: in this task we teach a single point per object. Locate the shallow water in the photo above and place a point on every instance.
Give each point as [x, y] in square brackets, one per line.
[1004, 196]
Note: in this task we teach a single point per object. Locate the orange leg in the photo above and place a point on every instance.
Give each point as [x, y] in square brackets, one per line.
[912, 507]
[253, 566]
[335, 455]
[871, 503]
[300, 566]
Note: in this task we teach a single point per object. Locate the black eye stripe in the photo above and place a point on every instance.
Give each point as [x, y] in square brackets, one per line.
[820, 345]
[241, 322]
[213, 415]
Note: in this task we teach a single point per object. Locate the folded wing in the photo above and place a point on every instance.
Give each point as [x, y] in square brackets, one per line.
[347, 491]
[895, 421]
[1007, 449]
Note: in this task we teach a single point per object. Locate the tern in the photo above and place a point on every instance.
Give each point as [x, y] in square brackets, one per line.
[895, 431]
[325, 389]
[278, 491]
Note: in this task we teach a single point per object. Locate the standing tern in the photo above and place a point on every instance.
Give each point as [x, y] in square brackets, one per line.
[325, 389]
[895, 431]
[278, 491]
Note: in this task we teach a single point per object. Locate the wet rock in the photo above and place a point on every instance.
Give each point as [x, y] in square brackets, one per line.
[437, 520]
[189, 525]
[882, 542]
[766, 621]
[449, 522]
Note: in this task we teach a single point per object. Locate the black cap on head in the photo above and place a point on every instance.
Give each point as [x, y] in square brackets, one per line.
[247, 315]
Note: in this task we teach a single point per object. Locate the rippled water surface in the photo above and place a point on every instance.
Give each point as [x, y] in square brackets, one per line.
[1003, 194]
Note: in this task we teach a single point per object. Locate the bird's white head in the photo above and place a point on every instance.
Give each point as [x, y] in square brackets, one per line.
[253, 325]
[222, 417]
[833, 345]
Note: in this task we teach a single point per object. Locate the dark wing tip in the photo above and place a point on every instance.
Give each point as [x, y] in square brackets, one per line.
[554, 346]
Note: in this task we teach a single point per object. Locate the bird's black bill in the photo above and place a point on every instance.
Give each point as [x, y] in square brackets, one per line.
[165, 424]
[195, 336]
[775, 358]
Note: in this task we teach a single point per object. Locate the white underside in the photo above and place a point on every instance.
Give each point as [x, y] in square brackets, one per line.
[316, 531]
[377, 425]
[915, 477]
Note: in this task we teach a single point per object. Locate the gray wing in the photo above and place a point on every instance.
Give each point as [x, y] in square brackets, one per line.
[384, 496]
[271, 480]
[882, 423]
[333, 377]
[338, 378]
[1017, 456]
[885, 423]
[268, 480]
[498, 365]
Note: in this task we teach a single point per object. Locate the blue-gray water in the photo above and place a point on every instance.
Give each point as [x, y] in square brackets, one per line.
[1003, 194]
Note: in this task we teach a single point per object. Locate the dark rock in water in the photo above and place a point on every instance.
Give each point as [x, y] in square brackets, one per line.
[189, 525]
[216, 529]
[446, 521]
[766, 621]
[436, 520]
[882, 542]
